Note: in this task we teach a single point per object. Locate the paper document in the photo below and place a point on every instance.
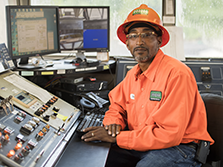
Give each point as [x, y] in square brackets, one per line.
[23, 84]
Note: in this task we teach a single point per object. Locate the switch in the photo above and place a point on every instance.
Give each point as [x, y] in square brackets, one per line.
[206, 74]
[46, 118]
[18, 158]
[36, 120]
[39, 136]
[22, 114]
[8, 130]
[5, 139]
[47, 127]
[56, 108]
[26, 150]
[27, 129]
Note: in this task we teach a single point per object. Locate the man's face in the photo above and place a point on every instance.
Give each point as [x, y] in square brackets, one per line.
[143, 44]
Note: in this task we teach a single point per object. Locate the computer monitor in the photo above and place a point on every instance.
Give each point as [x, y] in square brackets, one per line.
[84, 28]
[123, 65]
[32, 31]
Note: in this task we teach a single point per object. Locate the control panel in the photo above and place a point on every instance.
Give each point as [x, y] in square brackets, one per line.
[32, 127]
[208, 74]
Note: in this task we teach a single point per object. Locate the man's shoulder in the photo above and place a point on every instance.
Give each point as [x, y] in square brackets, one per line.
[175, 65]
[173, 62]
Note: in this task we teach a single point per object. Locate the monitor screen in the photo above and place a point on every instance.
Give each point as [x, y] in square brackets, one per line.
[84, 28]
[122, 67]
[32, 30]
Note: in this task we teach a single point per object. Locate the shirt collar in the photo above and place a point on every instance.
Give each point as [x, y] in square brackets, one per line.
[151, 71]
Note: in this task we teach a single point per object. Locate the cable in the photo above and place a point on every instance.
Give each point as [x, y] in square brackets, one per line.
[113, 78]
[70, 55]
[53, 80]
[52, 83]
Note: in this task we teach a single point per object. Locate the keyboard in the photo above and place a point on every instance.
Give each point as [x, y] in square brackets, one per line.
[91, 118]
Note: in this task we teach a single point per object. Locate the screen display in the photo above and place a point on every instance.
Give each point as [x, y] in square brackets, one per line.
[84, 28]
[32, 30]
[123, 66]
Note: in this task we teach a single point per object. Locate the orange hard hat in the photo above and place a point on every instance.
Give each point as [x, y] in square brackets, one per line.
[143, 14]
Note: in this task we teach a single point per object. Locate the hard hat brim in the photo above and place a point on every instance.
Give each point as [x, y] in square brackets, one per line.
[122, 35]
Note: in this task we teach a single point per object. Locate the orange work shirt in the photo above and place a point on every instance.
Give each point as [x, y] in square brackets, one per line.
[161, 106]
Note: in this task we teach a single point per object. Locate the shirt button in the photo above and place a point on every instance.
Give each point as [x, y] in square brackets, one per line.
[142, 89]
[142, 106]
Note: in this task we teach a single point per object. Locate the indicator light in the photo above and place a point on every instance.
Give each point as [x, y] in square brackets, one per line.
[18, 146]
[11, 153]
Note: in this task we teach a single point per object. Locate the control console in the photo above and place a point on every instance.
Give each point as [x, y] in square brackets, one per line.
[32, 128]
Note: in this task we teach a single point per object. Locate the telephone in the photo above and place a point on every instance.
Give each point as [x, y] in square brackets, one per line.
[87, 103]
[5, 59]
[91, 100]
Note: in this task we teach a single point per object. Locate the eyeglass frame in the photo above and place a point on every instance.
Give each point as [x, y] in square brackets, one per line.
[140, 34]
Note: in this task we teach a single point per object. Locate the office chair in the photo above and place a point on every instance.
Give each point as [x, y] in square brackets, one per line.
[214, 108]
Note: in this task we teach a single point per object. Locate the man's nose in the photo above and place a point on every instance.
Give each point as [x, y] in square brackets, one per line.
[139, 40]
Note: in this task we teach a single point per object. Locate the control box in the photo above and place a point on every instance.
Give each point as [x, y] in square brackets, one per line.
[209, 75]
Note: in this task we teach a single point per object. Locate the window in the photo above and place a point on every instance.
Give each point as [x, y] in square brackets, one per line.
[202, 26]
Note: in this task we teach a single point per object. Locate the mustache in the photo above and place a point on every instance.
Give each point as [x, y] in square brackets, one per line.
[139, 47]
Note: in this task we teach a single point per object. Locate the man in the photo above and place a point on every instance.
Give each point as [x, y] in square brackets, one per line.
[157, 101]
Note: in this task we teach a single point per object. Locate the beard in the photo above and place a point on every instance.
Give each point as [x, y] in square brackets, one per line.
[140, 57]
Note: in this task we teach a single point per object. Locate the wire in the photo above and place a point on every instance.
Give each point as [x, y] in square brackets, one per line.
[69, 55]
[51, 81]
[113, 78]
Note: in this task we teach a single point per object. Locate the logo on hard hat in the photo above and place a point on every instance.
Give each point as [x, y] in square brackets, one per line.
[141, 12]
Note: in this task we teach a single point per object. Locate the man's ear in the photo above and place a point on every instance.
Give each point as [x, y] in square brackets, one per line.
[159, 40]
[127, 44]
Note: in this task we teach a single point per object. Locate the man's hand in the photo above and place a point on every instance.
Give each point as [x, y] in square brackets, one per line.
[113, 129]
[97, 133]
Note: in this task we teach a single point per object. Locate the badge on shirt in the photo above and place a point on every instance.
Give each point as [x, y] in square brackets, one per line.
[132, 96]
[155, 95]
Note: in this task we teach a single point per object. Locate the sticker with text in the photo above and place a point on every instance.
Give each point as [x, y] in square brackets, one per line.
[155, 95]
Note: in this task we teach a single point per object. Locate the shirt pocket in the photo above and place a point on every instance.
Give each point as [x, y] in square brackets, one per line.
[151, 108]
[131, 114]
[139, 116]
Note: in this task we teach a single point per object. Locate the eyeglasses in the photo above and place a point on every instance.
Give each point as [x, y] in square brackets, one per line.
[147, 35]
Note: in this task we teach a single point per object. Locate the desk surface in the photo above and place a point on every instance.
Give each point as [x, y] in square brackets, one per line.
[84, 154]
